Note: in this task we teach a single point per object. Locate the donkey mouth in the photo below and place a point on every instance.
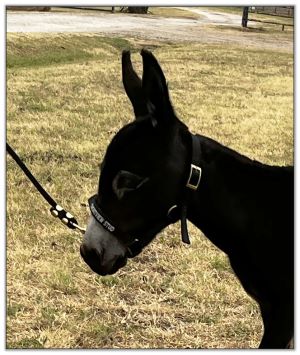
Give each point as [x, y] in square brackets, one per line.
[94, 260]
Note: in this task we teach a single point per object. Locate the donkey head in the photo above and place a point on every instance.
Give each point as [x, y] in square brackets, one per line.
[142, 173]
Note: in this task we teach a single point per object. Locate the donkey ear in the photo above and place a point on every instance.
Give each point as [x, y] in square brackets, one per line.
[133, 86]
[155, 87]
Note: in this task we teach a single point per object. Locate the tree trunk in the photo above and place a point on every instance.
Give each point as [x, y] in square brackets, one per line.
[138, 9]
[245, 16]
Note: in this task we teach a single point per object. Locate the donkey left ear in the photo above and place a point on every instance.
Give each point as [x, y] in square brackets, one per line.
[133, 86]
[155, 88]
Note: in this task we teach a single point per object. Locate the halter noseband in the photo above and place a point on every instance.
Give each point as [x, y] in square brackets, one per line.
[102, 219]
[173, 215]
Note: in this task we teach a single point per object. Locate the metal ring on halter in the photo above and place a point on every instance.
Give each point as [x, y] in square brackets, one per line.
[81, 229]
[171, 216]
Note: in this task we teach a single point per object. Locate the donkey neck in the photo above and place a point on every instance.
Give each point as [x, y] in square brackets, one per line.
[220, 207]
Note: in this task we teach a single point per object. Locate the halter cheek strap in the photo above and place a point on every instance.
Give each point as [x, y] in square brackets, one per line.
[177, 212]
[191, 186]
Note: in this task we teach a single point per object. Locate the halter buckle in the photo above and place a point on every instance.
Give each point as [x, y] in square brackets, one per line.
[194, 178]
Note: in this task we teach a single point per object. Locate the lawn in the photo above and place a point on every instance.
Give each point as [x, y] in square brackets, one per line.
[65, 102]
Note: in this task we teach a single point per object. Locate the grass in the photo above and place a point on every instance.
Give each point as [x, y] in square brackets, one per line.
[236, 10]
[35, 51]
[62, 111]
[172, 12]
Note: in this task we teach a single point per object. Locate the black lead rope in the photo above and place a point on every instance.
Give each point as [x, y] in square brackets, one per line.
[56, 210]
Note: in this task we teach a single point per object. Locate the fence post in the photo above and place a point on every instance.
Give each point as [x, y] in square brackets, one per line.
[245, 16]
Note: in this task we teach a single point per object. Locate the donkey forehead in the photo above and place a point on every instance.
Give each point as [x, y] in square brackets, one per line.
[133, 132]
[121, 153]
[132, 142]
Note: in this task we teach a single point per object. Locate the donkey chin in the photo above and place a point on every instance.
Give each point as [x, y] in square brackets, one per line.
[101, 250]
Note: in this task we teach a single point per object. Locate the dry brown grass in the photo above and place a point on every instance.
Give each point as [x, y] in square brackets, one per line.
[172, 12]
[60, 118]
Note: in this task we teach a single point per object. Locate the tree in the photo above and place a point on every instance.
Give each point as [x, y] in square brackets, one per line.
[245, 16]
[138, 9]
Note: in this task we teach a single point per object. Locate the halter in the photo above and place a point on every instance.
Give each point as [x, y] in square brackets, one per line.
[174, 213]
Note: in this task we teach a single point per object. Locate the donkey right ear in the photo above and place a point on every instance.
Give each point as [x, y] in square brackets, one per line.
[133, 86]
[156, 89]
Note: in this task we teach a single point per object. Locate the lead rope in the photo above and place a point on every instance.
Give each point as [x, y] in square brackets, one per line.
[56, 210]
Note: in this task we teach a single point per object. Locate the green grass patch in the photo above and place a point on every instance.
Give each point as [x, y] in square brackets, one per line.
[221, 263]
[64, 282]
[26, 343]
[38, 51]
[109, 281]
[13, 309]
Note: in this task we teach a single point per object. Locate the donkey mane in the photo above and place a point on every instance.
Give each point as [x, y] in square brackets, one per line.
[213, 150]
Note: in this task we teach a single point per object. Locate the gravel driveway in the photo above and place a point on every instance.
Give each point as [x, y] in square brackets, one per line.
[146, 26]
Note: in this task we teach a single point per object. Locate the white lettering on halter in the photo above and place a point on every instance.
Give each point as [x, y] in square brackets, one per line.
[102, 220]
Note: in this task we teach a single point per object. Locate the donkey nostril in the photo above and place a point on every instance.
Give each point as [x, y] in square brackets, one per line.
[93, 257]
[90, 254]
[120, 262]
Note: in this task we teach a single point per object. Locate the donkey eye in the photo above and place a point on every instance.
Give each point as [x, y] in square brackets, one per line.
[125, 182]
[126, 179]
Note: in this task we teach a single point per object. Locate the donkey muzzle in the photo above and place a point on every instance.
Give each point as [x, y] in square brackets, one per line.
[95, 260]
